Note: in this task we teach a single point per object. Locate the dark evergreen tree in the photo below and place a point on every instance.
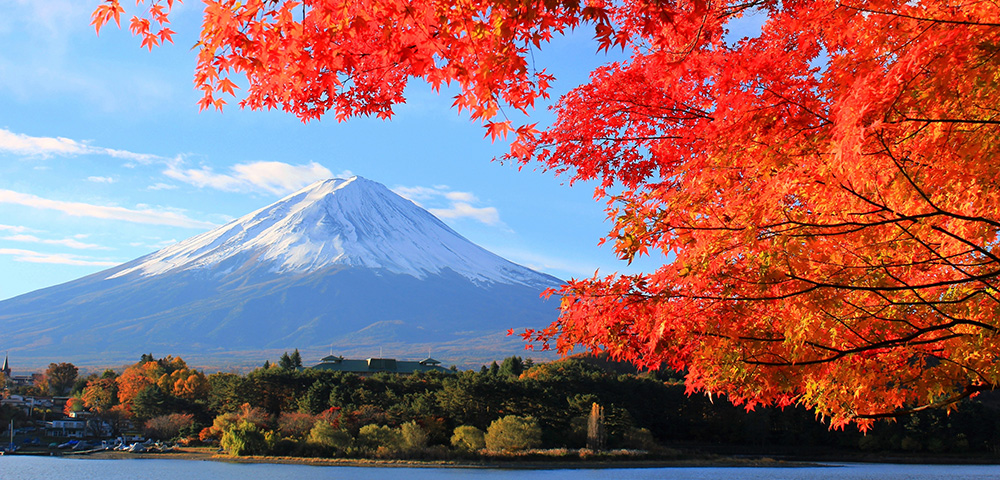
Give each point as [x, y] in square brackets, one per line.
[511, 367]
[285, 362]
[150, 402]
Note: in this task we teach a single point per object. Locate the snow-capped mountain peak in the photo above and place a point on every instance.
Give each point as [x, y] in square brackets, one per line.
[352, 222]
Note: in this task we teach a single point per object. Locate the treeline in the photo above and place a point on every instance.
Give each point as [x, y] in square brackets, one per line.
[286, 410]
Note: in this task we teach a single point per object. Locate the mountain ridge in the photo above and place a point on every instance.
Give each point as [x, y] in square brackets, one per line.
[311, 271]
[306, 230]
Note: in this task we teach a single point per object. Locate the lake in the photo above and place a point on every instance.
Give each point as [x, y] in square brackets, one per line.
[14, 467]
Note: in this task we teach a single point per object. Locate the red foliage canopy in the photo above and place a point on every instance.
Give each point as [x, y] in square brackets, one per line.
[827, 191]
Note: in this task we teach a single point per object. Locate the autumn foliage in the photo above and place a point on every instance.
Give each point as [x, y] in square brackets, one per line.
[825, 191]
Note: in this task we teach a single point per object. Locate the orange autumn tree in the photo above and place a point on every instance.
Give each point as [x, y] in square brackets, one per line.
[827, 192]
[170, 375]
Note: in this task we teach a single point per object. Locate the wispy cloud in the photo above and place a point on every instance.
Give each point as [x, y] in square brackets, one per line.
[77, 209]
[26, 145]
[30, 256]
[487, 215]
[14, 228]
[459, 204]
[100, 179]
[66, 242]
[162, 186]
[271, 177]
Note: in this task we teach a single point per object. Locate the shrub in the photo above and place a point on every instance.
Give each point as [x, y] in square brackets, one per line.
[294, 424]
[512, 433]
[326, 435]
[165, 427]
[911, 444]
[467, 437]
[227, 421]
[639, 438]
[244, 438]
[414, 436]
[380, 437]
[209, 435]
[870, 442]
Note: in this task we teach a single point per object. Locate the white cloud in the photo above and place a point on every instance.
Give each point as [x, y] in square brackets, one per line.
[21, 144]
[458, 204]
[487, 215]
[30, 256]
[66, 242]
[14, 228]
[272, 177]
[162, 186]
[415, 194]
[25, 145]
[101, 179]
[461, 196]
[77, 209]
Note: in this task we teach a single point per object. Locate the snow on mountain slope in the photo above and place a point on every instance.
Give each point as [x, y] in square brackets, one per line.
[351, 222]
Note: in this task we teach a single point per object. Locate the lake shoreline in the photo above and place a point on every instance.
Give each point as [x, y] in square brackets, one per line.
[513, 463]
[694, 460]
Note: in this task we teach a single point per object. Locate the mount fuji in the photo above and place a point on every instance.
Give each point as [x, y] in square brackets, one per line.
[343, 266]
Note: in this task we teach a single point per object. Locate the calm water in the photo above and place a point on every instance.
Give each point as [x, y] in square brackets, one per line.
[33, 468]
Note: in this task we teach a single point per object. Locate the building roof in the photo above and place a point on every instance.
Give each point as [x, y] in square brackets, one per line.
[375, 365]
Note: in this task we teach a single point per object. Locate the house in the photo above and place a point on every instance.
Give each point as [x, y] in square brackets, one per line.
[375, 365]
[28, 404]
[67, 427]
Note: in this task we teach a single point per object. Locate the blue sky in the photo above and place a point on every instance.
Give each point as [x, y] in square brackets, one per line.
[104, 156]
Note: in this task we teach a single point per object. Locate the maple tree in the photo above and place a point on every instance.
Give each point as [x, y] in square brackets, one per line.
[170, 375]
[825, 191]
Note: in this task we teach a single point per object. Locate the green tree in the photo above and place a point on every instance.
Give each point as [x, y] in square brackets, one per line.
[60, 377]
[150, 402]
[414, 436]
[224, 392]
[244, 438]
[296, 359]
[285, 362]
[512, 367]
[325, 434]
[467, 437]
[373, 437]
[512, 433]
[316, 399]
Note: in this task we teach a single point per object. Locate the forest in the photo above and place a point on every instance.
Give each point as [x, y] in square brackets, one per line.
[514, 405]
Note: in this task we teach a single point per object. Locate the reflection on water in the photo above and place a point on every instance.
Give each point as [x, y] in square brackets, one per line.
[14, 467]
